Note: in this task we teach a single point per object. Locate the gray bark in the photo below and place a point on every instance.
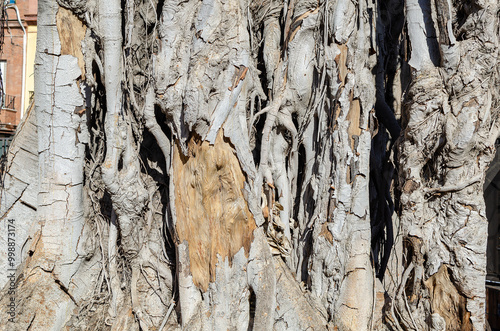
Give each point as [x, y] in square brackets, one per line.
[230, 165]
[449, 141]
[54, 269]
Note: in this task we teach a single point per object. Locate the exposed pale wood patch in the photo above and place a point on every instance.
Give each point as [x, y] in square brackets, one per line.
[447, 301]
[471, 103]
[71, 33]
[325, 233]
[410, 186]
[212, 213]
[341, 60]
[239, 75]
[353, 117]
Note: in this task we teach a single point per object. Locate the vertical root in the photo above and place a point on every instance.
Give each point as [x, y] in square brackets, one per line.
[116, 291]
[154, 128]
[136, 305]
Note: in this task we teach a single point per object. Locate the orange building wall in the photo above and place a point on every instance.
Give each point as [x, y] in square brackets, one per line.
[13, 55]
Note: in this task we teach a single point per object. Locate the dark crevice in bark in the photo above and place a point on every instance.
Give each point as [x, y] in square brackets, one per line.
[252, 300]
[306, 237]
[257, 138]
[463, 9]
[388, 29]
[159, 8]
[300, 180]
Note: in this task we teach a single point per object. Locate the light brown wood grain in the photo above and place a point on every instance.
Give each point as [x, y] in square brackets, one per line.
[212, 214]
[71, 33]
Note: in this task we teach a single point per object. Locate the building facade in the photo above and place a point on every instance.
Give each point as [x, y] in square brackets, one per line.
[17, 62]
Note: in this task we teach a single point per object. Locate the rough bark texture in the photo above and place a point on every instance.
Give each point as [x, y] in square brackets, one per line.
[265, 165]
[452, 123]
[55, 272]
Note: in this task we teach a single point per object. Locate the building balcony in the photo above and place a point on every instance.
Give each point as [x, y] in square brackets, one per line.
[8, 102]
[8, 116]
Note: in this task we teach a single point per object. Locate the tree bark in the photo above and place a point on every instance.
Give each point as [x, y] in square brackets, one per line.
[448, 143]
[262, 165]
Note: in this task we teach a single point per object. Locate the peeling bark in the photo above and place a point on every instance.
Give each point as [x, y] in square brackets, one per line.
[262, 165]
[449, 137]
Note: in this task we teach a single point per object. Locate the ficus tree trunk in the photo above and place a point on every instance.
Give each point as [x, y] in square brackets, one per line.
[253, 165]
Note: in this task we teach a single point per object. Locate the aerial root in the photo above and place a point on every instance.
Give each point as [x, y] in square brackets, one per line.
[136, 305]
